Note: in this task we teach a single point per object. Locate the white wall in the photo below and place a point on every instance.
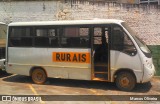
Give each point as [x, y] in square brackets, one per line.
[28, 10]
[145, 20]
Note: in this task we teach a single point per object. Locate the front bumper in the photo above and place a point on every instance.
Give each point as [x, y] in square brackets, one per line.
[148, 73]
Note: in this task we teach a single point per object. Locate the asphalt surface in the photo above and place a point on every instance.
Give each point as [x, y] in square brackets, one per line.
[12, 84]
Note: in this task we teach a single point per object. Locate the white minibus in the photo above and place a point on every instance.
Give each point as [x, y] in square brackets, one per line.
[101, 50]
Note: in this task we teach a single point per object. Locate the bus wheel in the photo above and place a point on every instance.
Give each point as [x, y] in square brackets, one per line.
[38, 76]
[125, 81]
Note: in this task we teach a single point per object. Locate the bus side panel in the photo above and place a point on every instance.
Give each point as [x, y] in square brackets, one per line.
[120, 60]
[21, 60]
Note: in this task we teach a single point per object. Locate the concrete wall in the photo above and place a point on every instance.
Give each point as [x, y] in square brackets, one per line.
[144, 19]
[28, 10]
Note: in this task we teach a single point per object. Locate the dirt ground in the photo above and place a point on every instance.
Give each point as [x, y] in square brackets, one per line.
[23, 85]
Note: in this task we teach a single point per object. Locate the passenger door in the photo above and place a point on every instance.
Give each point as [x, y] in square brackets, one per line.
[100, 53]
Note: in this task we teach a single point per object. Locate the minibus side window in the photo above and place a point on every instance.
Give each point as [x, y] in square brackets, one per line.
[75, 37]
[20, 36]
[122, 42]
[46, 37]
[97, 36]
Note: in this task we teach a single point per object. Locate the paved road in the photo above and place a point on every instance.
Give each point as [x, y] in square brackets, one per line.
[23, 85]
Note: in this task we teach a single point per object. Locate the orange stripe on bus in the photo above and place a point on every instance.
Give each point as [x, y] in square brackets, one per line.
[77, 57]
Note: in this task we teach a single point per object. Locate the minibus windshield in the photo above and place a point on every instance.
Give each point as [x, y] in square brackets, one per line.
[140, 43]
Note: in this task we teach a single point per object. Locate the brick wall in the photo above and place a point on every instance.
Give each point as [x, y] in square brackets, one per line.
[143, 19]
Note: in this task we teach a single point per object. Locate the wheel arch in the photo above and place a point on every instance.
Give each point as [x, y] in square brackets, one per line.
[123, 70]
[34, 67]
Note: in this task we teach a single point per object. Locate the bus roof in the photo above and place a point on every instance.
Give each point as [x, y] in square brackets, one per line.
[67, 22]
[2, 23]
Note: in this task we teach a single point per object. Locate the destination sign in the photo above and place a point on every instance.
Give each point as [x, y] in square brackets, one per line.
[78, 57]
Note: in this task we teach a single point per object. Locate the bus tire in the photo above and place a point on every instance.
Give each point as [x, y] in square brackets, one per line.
[38, 76]
[125, 81]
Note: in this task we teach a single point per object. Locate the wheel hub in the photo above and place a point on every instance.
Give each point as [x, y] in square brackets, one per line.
[125, 81]
[39, 76]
